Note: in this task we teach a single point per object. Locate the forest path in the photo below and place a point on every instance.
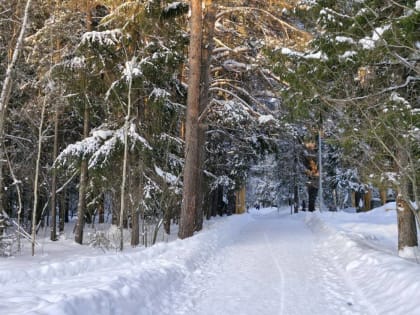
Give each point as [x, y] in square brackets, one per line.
[275, 265]
[264, 263]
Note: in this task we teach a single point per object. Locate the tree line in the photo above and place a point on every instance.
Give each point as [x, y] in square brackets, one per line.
[154, 111]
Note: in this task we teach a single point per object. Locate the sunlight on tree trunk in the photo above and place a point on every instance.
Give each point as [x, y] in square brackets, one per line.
[125, 161]
[206, 52]
[189, 206]
[81, 205]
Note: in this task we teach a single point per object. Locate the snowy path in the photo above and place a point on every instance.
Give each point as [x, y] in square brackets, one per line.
[264, 263]
[273, 266]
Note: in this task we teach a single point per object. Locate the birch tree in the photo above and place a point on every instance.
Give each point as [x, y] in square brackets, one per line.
[6, 90]
[129, 72]
[37, 167]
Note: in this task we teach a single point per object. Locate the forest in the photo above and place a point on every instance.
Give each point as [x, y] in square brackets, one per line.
[154, 113]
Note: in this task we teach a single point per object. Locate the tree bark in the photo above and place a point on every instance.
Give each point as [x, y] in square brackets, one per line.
[38, 160]
[312, 195]
[407, 229]
[81, 205]
[189, 202]
[206, 52]
[101, 210]
[63, 212]
[54, 179]
[135, 226]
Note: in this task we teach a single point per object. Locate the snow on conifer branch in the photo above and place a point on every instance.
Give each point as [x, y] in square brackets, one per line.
[104, 38]
[99, 147]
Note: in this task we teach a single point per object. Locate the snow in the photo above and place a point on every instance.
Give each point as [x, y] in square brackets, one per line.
[347, 55]
[100, 146]
[370, 42]
[290, 52]
[367, 43]
[311, 55]
[106, 38]
[263, 119]
[168, 177]
[174, 6]
[344, 39]
[132, 69]
[262, 262]
[233, 65]
[395, 97]
[158, 93]
[77, 63]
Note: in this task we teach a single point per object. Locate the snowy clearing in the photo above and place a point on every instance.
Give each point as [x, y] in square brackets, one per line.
[264, 262]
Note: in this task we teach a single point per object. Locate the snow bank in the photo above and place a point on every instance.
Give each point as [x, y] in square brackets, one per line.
[364, 247]
[125, 283]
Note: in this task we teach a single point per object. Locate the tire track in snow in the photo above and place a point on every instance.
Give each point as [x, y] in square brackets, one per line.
[281, 273]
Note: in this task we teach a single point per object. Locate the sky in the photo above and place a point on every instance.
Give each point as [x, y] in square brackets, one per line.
[263, 262]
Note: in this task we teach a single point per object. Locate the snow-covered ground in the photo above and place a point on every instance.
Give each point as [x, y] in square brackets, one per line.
[264, 262]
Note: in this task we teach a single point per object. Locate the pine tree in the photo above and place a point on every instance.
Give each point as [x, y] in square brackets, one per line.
[191, 171]
[362, 69]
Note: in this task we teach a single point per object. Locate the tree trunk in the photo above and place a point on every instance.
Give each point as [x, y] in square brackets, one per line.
[125, 164]
[407, 229]
[312, 195]
[167, 219]
[101, 210]
[38, 160]
[135, 226]
[63, 212]
[81, 205]
[54, 179]
[382, 193]
[189, 203]
[296, 197]
[206, 52]
[135, 216]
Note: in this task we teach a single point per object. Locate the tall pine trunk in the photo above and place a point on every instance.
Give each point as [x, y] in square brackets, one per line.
[407, 229]
[81, 205]
[54, 179]
[191, 168]
[63, 211]
[206, 52]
